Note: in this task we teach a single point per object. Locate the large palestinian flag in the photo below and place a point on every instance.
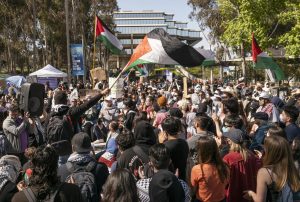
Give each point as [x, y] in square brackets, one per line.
[103, 33]
[262, 60]
[160, 48]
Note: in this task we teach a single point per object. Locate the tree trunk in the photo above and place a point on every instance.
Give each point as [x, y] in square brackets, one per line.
[34, 36]
[243, 61]
[10, 67]
[46, 47]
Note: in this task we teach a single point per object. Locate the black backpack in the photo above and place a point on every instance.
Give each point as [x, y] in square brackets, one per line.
[59, 133]
[84, 178]
[32, 198]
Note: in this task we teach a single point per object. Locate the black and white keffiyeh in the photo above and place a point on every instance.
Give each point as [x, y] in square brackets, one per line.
[9, 169]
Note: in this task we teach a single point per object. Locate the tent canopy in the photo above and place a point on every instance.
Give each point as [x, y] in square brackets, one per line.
[16, 80]
[49, 71]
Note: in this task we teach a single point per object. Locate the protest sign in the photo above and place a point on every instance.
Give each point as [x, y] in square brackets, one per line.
[87, 92]
[117, 90]
[98, 73]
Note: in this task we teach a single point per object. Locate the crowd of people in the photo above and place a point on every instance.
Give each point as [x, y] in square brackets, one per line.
[213, 143]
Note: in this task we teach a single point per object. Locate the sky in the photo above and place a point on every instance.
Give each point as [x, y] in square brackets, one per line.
[179, 8]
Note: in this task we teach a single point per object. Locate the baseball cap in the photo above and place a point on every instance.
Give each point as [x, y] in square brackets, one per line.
[261, 115]
[108, 98]
[264, 95]
[235, 135]
[81, 143]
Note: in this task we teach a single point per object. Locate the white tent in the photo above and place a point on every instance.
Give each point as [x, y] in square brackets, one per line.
[49, 71]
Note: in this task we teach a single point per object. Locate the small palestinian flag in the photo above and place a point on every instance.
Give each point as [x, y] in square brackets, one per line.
[159, 47]
[209, 57]
[263, 61]
[103, 33]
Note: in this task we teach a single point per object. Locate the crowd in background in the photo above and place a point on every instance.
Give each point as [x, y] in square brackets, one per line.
[216, 142]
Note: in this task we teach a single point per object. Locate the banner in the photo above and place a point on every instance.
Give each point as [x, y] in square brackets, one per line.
[77, 59]
[169, 76]
[117, 90]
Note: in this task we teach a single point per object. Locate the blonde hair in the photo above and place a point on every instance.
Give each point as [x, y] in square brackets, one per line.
[278, 157]
[240, 149]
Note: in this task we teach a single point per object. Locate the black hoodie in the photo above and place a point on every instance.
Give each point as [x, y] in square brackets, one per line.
[75, 112]
[144, 139]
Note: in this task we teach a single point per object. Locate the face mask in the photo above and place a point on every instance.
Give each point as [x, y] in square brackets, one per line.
[225, 129]
[175, 98]
[281, 118]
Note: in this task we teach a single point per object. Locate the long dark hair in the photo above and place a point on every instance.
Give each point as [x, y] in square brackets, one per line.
[208, 153]
[278, 156]
[120, 186]
[44, 171]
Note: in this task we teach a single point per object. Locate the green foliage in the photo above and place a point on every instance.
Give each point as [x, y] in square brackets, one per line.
[274, 22]
[242, 17]
[291, 39]
[17, 30]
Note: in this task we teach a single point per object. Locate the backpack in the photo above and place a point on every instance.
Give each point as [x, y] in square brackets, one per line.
[32, 198]
[59, 132]
[4, 144]
[85, 180]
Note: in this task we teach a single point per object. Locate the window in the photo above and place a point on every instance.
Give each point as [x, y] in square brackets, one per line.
[178, 33]
[139, 21]
[195, 34]
[170, 23]
[172, 31]
[185, 32]
[128, 51]
[169, 17]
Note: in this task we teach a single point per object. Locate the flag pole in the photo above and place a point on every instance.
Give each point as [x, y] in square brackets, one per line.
[94, 42]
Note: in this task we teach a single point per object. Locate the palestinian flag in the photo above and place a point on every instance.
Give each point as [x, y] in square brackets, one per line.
[159, 47]
[103, 33]
[140, 68]
[209, 57]
[262, 60]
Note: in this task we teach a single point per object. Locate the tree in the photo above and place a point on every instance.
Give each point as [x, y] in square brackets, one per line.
[24, 23]
[291, 39]
[233, 21]
[207, 14]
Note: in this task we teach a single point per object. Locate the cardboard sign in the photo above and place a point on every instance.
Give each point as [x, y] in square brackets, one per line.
[87, 92]
[98, 73]
[117, 90]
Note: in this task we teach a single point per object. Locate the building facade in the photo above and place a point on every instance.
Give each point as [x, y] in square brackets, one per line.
[132, 26]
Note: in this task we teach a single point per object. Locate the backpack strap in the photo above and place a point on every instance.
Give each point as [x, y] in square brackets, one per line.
[91, 166]
[70, 167]
[52, 196]
[29, 195]
[138, 150]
